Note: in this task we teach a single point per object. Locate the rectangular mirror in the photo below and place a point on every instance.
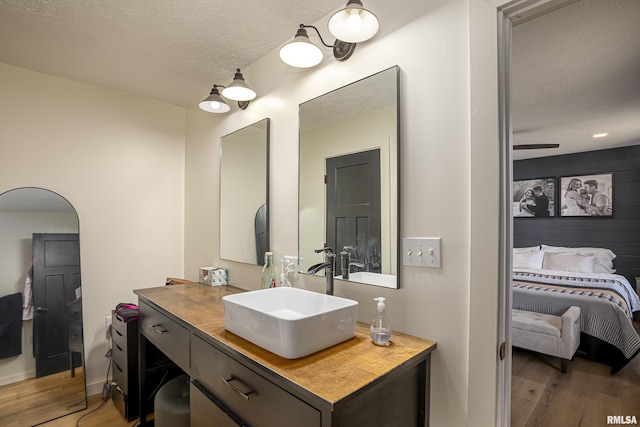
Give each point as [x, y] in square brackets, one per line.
[348, 179]
[244, 194]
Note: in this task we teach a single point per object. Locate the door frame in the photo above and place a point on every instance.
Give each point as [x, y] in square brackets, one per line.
[509, 15]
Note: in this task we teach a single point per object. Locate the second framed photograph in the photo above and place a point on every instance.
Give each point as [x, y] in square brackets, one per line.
[586, 195]
[535, 198]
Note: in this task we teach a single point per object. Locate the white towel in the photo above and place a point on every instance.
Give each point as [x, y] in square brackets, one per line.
[27, 302]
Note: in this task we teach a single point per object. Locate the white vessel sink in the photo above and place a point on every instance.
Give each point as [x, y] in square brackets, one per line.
[290, 322]
[378, 279]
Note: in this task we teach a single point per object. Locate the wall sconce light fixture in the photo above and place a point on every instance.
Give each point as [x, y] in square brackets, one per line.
[351, 25]
[238, 90]
[214, 102]
[302, 53]
[354, 23]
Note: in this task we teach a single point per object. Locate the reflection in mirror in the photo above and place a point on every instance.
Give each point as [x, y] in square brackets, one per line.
[244, 184]
[41, 346]
[348, 179]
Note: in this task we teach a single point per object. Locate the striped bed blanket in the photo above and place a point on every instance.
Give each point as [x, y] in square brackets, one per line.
[607, 303]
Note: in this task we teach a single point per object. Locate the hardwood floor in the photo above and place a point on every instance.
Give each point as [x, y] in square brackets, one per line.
[543, 396]
[33, 401]
[107, 415]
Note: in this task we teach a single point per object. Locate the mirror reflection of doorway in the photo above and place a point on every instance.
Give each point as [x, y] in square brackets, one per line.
[25, 214]
[353, 208]
[56, 276]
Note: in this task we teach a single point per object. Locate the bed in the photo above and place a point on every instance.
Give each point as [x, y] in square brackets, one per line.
[548, 279]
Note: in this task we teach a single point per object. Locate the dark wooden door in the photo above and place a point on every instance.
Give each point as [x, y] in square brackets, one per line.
[353, 206]
[56, 275]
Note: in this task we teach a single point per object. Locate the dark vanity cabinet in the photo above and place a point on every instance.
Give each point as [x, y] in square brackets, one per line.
[235, 383]
[231, 392]
[124, 365]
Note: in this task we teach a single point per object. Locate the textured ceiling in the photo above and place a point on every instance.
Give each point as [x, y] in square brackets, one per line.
[576, 72]
[169, 50]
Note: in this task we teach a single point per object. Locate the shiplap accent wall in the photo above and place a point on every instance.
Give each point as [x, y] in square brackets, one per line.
[621, 233]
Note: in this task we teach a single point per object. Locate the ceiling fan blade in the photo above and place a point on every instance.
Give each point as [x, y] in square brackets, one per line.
[534, 146]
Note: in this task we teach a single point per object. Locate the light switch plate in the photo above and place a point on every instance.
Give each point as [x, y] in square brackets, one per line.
[421, 252]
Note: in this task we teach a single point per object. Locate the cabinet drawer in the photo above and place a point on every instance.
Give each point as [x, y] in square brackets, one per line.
[120, 376]
[170, 338]
[120, 357]
[205, 413]
[118, 325]
[119, 339]
[252, 398]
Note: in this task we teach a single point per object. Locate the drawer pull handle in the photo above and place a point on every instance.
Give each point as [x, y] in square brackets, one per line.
[159, 329]
[227, 382]
[219, 404]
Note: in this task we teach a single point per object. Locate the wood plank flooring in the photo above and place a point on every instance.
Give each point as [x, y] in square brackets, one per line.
[542, 396]
[31, 401]
[27, 403]
[107, 415]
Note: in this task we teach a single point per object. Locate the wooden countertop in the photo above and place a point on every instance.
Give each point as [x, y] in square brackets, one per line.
[330, 374]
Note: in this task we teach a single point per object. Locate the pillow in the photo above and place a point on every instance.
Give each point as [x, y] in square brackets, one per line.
[529, 249]
[569, 262]
[604, 257]
[531, 260]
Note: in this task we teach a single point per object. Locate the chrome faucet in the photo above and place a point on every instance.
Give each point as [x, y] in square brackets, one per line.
[345, 261]
[327, 266]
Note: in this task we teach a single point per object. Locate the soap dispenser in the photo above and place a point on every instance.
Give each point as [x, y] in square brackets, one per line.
[380, 330]
[268, 279]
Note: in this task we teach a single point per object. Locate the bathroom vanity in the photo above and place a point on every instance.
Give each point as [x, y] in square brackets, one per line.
[236, 383]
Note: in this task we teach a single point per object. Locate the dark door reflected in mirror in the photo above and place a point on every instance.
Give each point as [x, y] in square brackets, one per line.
[40, 285]
[348, 179]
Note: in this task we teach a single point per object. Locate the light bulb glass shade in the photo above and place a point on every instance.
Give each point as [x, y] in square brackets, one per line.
[300, 52]
[214, 103]
[354, 23]
[238, 90]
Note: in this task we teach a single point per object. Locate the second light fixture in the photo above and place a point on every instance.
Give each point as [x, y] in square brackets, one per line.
[350, 25]
[238, 90]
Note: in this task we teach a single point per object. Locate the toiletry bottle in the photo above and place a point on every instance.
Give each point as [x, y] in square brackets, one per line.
[380, 330]
[283, 278]
[268, 272]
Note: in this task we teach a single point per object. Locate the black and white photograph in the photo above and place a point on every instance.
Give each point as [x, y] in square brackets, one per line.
[586, 195]
[534, 198]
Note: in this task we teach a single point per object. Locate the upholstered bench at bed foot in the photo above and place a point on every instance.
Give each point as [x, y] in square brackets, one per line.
[557, 336]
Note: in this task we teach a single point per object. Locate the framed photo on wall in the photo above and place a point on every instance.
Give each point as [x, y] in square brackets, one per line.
[534, 198]
[586, 195]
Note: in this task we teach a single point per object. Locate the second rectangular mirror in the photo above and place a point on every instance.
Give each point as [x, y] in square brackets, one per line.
[348, 179]
[244, 184]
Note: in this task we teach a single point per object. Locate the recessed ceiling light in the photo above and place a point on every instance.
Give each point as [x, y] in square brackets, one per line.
[599, 135]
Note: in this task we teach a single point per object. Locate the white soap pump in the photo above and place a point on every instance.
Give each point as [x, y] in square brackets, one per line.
[380, 330]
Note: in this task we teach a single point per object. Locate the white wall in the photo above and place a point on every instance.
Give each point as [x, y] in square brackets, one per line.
[449, 176]
[16, 229]
[119, 160]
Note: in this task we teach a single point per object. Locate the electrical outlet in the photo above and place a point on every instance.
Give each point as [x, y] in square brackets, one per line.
[107, 327]
[30, 340]
[292, 260]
